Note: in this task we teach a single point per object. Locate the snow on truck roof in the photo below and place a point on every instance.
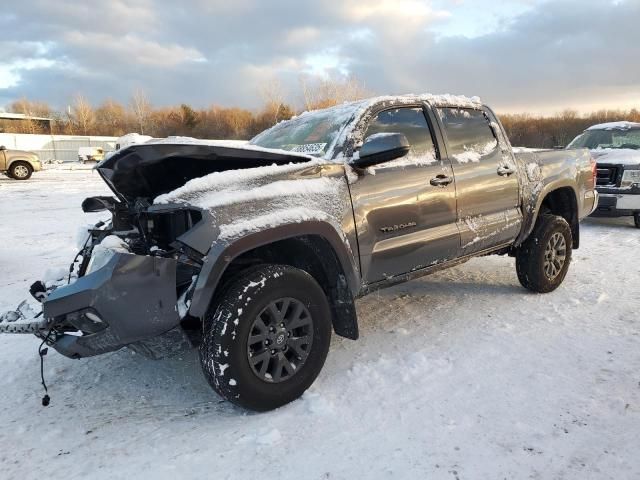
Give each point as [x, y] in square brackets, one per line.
[615, 126]
[446, 99]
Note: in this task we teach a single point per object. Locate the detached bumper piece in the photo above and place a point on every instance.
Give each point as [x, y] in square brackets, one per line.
[130, 299]
[23, 320]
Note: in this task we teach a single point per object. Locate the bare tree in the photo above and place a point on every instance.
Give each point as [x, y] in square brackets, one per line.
[83, 114]
[110, 118]
[141, 109]
[326, 92]
[273, 96]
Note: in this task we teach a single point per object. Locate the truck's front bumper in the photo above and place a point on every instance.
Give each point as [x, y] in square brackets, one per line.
[617, 205]
[131, 299]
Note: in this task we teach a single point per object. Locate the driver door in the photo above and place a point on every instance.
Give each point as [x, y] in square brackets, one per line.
[405, 209]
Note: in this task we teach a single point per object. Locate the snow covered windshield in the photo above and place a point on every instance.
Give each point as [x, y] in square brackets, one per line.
[313, 133]
[595, 139]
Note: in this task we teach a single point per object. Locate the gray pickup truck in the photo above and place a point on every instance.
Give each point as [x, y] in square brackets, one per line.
[18, 164]
[256, 253]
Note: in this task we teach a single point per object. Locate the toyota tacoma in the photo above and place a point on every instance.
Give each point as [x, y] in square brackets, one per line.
[256, 253]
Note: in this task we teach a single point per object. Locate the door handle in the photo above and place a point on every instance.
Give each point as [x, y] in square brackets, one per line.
[505, 171]
[441, 181]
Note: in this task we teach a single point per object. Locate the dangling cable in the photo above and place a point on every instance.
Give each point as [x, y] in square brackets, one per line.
[42, 352]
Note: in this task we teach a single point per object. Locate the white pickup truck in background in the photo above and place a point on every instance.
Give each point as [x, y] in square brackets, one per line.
[616, 148]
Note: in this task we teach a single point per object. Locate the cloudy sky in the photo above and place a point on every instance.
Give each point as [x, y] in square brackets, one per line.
[518, 55]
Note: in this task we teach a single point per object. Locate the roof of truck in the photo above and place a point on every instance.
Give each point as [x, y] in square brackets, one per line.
[615, 126]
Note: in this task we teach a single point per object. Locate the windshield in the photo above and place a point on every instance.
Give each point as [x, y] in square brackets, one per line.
[595, 139]
[313, 133]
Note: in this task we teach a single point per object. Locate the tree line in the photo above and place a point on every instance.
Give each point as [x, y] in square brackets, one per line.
[139, 115]
[526, 130]
[112, 118]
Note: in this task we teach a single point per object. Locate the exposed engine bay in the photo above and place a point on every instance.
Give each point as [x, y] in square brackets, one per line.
[130, 284]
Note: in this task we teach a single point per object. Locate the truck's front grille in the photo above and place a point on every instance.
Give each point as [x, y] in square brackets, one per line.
[607, 175]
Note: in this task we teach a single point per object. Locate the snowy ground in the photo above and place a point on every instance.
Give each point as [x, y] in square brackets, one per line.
[459, 375]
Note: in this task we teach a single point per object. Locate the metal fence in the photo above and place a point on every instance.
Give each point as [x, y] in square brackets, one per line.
[55, 147]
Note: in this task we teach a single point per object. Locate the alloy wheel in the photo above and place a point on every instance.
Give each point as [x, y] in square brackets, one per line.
[280, 340]
[555, 255]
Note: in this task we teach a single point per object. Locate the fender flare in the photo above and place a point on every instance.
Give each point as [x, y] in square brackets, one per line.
[530, 220]
[224, 252]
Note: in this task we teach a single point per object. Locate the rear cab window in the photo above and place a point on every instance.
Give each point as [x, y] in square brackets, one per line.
[469, 135]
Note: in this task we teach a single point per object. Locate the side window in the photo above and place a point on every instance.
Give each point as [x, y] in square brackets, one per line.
[469, 135]
[411, 122]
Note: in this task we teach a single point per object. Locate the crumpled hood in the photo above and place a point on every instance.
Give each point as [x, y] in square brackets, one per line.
[152, 169]
[617, 156]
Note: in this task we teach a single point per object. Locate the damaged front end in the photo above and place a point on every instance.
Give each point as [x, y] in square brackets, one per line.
[131, 285]
[134, 277]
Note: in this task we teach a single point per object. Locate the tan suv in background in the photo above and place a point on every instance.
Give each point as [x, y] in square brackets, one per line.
[18, 164]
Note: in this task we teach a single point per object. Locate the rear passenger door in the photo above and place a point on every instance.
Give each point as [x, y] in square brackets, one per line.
[403, 221]
[486, 180]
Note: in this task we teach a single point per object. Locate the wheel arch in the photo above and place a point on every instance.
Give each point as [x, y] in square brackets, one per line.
[560, 200]
[312, 246]
[13, 160]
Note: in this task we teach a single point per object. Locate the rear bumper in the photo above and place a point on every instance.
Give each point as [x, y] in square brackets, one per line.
[617, 205]
[131, 299]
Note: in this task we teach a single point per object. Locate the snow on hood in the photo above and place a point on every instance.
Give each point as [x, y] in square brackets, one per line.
[616, 156]
[213, 183]
[615, 126]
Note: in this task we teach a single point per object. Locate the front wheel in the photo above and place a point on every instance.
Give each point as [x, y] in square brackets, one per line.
[267, 339]
[542, 261]
[20, 171]
[636, 220]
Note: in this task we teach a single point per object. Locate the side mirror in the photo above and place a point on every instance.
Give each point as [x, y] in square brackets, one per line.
[2, 147]
[98, 204]
[380, 148]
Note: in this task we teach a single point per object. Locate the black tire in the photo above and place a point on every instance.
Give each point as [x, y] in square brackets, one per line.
[20, 170]
[538, 261]
[636, 220]
[228, 357]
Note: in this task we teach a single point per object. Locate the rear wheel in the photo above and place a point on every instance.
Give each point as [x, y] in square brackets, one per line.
[542, 261]
[20, 170]
[267, 339]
